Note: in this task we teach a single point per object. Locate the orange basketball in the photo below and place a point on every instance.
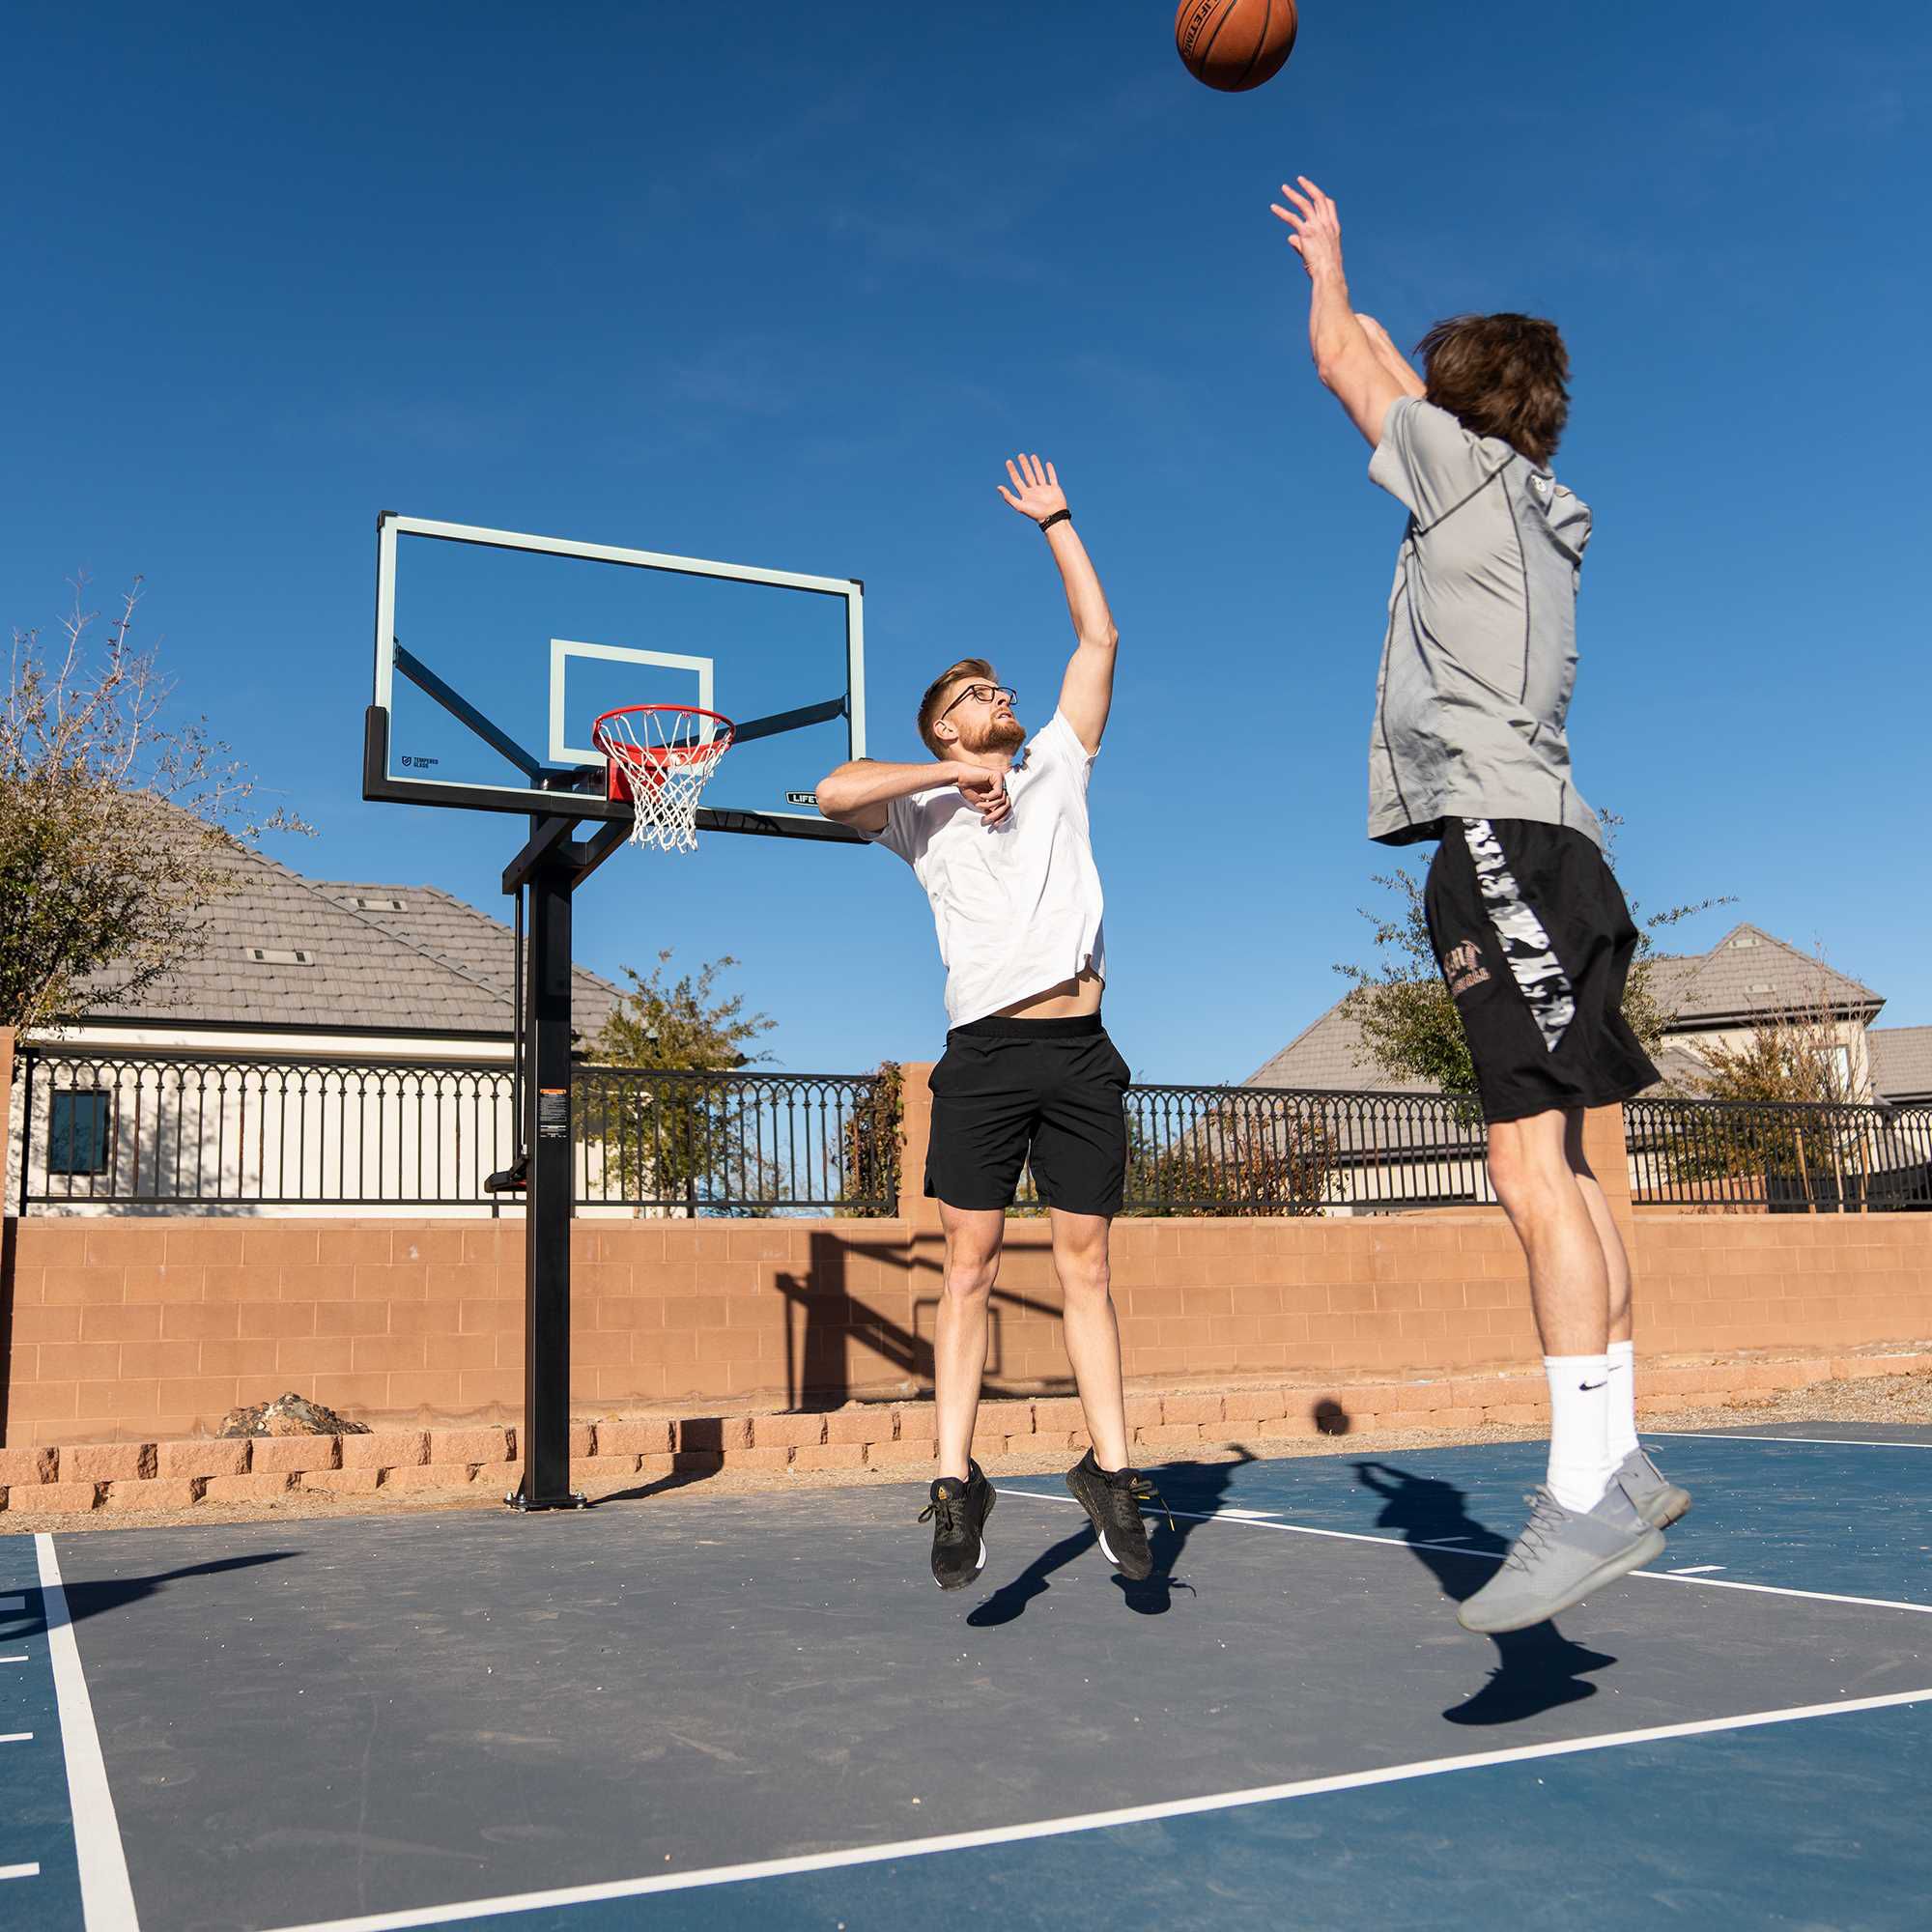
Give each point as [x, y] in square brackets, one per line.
[1234, 45]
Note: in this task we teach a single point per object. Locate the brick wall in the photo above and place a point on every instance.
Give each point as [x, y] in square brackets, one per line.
[140, 1329]
[145, 1331]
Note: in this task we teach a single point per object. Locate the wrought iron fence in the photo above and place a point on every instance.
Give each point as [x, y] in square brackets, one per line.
[1780, 1158]
[1290, 1151]
[737, 1142]
[155, 1128]
[152, 1129]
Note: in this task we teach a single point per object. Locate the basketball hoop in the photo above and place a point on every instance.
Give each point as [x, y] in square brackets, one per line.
[660, 756]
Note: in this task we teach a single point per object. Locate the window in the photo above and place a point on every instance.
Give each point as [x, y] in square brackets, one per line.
[1841, 1061]
[78, 1132]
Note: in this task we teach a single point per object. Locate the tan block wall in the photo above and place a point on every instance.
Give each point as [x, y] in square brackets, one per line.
[142, 1331]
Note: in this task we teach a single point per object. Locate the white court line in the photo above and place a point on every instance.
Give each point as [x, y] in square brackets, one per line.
[1697, 1569]
[1090, 1821]
[1815, 1441]
[21, 1659]
[16, 1737]
[106, 1898]
[19, 1871]
[1495, 1556]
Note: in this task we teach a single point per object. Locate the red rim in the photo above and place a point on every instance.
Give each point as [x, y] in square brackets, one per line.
[651, 762]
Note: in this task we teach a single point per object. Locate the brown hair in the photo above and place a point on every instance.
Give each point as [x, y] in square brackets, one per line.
[1500, 374]
[933, 702]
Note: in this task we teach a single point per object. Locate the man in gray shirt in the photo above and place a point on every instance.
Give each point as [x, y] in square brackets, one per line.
[1470, 746]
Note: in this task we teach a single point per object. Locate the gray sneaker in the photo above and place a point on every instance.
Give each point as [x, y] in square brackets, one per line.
[1653, 1494]
[1560, 1557]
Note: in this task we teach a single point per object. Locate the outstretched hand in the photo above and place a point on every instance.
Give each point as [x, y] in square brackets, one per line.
[1035, 490]
[984, 789]
[1316, 223]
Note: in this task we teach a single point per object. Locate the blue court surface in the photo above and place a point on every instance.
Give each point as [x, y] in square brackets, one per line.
[696, 1709]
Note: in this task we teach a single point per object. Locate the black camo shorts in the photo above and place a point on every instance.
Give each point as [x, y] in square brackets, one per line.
[1535, 943]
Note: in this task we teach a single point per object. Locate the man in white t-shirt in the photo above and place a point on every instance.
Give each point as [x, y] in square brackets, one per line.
[999, 839]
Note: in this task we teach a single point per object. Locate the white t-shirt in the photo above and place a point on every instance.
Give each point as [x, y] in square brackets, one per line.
[1017, 907]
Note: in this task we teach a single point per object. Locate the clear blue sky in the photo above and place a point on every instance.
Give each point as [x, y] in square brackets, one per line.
[787, 296]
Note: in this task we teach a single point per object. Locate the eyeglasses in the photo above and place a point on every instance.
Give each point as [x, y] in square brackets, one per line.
[982, 694]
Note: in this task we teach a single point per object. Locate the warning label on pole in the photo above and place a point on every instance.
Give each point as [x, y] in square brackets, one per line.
[553, 1113]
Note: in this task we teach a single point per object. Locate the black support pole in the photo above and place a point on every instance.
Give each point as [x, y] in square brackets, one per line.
[547, 1100]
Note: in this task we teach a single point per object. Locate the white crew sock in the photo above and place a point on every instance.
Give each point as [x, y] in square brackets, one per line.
[1622, 1433]
[1580, 1388]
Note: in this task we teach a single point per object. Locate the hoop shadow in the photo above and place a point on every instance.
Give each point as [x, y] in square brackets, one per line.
[1203, 1484]
[1536, 1669]
[91, 1600]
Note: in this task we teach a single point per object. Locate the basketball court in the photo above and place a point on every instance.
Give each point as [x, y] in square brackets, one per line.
[693, 1711]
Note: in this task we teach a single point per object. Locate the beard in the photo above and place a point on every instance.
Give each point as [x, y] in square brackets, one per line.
[997, 734]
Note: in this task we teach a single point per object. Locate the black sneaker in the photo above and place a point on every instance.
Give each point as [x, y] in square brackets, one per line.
[958, 1512]
[1112, 1498]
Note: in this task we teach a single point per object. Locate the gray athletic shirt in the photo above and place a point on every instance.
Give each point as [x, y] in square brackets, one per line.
[1480, 652]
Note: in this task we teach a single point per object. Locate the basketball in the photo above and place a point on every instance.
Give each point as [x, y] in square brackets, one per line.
[1234, 45]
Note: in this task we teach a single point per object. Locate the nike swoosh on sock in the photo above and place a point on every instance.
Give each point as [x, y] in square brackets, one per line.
[1605, 1383]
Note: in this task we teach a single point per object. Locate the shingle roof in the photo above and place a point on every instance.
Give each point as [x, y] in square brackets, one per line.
[1331, 1057]
[458, 933]
[1749, 974]
[284, 950]
[1901, 1062]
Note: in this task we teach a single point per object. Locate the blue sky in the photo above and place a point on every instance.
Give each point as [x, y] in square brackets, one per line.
[788, 296]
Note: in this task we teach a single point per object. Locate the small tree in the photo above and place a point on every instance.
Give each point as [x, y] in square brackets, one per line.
[1236, 1158]
[1409, 1024]
[875, 1137]
[683, 1027]
[1794, 1056]
[116, 829]
[671, 1138]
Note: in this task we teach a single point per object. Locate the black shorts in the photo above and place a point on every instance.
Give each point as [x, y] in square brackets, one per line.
[1009, 1093]
[1535, 944]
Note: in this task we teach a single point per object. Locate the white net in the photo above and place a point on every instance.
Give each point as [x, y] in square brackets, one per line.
[660, 757]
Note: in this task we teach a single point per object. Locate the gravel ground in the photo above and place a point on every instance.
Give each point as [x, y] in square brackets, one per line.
[1873, 1399]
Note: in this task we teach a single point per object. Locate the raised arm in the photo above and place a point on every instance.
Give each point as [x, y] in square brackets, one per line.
[1391, 358]
[1087, 691]
[860, 792]
[1346, 355]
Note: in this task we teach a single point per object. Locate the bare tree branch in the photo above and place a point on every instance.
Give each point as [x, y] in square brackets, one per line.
[116, 829]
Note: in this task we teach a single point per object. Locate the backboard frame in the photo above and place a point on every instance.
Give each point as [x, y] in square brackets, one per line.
[561, 785]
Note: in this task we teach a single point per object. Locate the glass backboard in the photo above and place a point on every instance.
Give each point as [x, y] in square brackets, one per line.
[496, 652]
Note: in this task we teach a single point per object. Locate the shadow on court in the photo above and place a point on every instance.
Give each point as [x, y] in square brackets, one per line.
[91, 1600]
[1202, 1485]
[1537, 1668]
[701, 1471]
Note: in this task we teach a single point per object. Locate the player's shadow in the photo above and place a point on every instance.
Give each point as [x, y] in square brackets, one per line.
[1536, 1669]
[1202, 1485]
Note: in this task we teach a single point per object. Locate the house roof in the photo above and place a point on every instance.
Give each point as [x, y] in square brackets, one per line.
[288, 951]
[1748, 975]
[1330, 1056]
[1901, 1062]
[1751, 975]
[464, 938]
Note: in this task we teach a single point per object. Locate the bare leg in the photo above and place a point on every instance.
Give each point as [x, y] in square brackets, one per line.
[1569, 1282]
[1616, 1262]
[1093, 1334]
[972, 1237]
[1570, 1287]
